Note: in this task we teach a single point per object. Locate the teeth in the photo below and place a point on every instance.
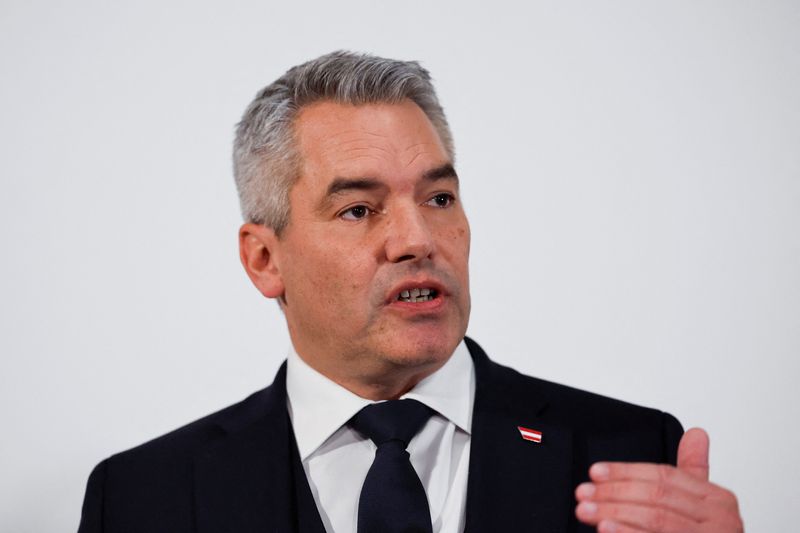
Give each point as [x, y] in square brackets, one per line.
[417, 295]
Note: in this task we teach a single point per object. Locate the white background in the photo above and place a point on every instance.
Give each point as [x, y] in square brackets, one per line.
[631, 170]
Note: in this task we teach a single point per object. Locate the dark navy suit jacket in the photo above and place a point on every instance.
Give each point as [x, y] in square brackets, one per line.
[238, 470]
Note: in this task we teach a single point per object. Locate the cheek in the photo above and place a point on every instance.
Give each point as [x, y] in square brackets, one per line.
[457, 240]
[328, 275]
[464, 236]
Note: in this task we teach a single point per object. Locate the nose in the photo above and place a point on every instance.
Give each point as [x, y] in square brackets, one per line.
[408, 236]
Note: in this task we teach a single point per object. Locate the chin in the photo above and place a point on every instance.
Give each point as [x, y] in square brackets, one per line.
[420, 352]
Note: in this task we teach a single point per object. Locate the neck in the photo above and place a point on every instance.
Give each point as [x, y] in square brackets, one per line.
[386, 382]
[377, 388]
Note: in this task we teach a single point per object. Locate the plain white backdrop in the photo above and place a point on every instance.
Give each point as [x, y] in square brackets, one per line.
[631, 170]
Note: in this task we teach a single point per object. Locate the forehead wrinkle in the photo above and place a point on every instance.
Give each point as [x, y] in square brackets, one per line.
[351, 136]
[358, 149]
[334, 149]
[416, 145]
[356, 162]
[420, 151]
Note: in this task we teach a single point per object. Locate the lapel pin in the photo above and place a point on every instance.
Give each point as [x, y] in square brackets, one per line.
[530, 434]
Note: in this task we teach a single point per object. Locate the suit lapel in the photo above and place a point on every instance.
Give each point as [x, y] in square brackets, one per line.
[244, 481]
[512, 481]
[241, 478]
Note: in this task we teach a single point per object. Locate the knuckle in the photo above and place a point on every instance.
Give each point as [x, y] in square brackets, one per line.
[613, 491]
[659, 492]
[657, 520]
[733, 524]
[726, 498]
[732, 499]
[664, 473]
[614, 512]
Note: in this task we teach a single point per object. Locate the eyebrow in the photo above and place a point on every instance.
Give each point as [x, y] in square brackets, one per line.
[444, 172]
[343, 185]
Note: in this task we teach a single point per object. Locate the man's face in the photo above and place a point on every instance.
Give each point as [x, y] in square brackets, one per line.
[375, 217]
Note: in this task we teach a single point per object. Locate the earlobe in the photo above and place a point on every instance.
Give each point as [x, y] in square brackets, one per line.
[259, 252]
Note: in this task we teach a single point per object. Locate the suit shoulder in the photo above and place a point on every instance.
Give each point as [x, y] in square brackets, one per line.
[170, 448]
[150, 485]
[581, 404]
[579, 408]
[603, 428]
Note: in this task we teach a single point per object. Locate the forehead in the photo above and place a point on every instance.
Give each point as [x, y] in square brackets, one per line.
[340, 139]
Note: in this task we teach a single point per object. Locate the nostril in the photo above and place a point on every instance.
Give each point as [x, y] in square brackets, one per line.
[405, 258]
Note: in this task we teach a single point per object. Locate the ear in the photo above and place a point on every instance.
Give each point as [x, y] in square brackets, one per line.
[258, 251]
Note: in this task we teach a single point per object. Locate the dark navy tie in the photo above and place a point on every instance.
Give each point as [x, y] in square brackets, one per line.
[392, 499]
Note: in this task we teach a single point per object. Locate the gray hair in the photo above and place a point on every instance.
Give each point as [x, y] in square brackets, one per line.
[266, 163]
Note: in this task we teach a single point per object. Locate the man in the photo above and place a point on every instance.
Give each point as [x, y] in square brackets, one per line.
[354, 224]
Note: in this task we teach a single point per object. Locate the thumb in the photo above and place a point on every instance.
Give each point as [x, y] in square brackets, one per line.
[693, 453]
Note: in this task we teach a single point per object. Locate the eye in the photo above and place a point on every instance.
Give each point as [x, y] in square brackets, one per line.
[442, 200]
[357, 212]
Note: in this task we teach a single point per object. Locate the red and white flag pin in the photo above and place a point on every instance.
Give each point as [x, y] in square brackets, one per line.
[530, 434]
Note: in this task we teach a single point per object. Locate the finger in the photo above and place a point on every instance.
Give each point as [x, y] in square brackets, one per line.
[653, 519]
[609, 526]
[645, 493]
[693, 453]
[652, 472]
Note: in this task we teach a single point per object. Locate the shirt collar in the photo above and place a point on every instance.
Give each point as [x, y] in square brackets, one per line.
[318, 406]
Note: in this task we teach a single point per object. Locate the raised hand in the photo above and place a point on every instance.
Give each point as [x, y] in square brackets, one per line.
[658, 498]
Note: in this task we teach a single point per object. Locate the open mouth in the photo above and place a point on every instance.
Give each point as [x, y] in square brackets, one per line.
[417, 295]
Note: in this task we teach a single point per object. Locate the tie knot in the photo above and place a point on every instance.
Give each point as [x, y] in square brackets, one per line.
[391, 420]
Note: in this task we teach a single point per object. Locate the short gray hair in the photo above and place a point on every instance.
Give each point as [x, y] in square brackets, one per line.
[266, 162]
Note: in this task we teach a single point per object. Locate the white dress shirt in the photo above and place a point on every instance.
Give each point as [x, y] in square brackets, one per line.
[336, 458]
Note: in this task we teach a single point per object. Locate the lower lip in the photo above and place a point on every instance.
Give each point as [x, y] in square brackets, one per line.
[419, 307]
